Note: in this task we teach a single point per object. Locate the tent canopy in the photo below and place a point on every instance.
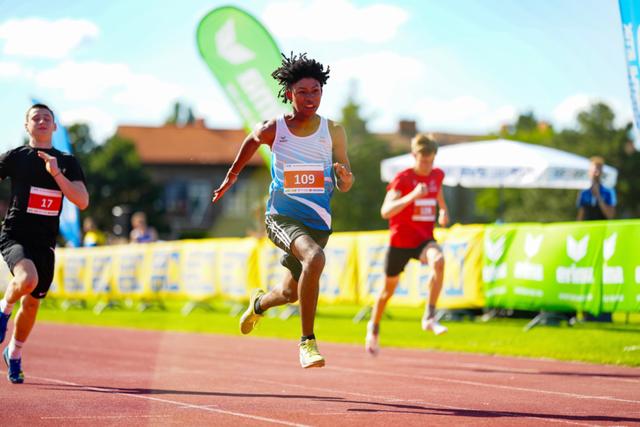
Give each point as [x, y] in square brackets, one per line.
[507, 164]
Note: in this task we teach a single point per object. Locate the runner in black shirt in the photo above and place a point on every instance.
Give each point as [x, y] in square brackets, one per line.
[40, 177]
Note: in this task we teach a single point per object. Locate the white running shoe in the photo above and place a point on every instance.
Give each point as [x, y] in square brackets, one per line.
[250, 318]
[433, 326]
[371, 342]
[310, 357]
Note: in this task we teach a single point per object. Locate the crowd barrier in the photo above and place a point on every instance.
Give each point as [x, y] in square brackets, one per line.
[579, 266]
[587, 266]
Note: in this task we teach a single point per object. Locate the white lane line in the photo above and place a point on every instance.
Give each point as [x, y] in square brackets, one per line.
[416, 402]
[104, 417]
[516, 370]
[207, 408]
[480, 384]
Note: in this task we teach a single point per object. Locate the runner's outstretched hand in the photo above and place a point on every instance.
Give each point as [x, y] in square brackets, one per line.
[229, 180]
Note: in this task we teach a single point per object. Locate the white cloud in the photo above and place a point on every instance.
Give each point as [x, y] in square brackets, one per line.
[92, 80]
[463, 113]
[84, 81]
[10, 70]
[333, 20]
[382, 80]
[566, 112]
[217, 112]
[101, 123]
[36, 37]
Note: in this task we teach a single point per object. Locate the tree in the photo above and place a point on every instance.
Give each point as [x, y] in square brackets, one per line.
[115, 177]
[181, 115]
[359, 209]
[595, 134]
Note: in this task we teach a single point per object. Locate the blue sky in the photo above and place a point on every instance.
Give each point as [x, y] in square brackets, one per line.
[461, 66]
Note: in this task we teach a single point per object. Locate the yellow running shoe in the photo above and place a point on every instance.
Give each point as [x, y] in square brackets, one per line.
[310, 357]
[250, 318]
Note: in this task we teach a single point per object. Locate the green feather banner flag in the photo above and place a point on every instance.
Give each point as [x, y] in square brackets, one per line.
[242, 55]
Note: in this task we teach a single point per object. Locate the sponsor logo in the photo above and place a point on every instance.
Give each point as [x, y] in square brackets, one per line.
[494, 251]
[611, 275]
[228, 46]
[576, 250]
[526, 269]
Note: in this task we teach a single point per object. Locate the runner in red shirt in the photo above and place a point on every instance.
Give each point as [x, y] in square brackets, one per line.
[411, 206]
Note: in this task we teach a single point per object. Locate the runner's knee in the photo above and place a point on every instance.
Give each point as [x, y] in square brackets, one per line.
[438, 263]
[26, 281]
[289, 295]
[314, 259]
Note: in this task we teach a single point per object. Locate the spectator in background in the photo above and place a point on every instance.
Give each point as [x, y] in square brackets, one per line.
[92, 236]
[597, 201]
[141, 232]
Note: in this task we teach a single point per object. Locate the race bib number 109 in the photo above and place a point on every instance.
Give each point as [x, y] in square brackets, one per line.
[304, 178]
[43, 201]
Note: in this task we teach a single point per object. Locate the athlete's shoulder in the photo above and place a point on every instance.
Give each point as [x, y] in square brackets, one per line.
[265, 131]
[334, 127]
[17, 152]
[404, 175]
[438, 173]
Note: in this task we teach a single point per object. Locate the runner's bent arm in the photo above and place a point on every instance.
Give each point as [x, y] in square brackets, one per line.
[443, 217]
[264, 134]
[75, 191]
[394, 202]
[342, 167]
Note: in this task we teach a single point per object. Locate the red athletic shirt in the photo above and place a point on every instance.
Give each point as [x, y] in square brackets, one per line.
[414, 224]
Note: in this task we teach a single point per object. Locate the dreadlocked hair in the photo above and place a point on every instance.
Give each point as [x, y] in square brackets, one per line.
[295, 68]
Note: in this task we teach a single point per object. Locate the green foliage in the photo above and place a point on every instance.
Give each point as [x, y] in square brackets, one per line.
[614, 343]
[359, 209]
[115, 176]
[181, 115]
[596, 134]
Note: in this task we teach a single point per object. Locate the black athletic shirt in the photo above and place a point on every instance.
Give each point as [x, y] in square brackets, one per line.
[36, 199]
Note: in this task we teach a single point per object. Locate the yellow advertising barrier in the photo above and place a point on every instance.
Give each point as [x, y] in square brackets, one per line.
[231, 267]
[337, 280]
[462, 248]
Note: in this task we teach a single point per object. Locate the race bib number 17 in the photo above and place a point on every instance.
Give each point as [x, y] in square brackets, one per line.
[303, 178]
[43, 201]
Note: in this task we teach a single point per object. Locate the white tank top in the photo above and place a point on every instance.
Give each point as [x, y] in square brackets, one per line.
[302, 175]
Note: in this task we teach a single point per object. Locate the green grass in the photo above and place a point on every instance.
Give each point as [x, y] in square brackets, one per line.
[614, 343]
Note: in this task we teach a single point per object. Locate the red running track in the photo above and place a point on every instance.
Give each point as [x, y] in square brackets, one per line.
[105, 376]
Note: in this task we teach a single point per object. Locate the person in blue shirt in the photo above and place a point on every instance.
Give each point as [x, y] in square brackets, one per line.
[597, 201]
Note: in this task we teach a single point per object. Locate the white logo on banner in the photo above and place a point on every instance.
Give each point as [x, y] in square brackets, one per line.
[611, 275]
[526, 269]
[494, 251]
[228, 46]
[576, 250]
[638, 276]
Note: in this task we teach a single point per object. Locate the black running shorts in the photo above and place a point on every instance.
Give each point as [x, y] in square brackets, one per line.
[397, 258]
[43, 258]
[282, 231]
